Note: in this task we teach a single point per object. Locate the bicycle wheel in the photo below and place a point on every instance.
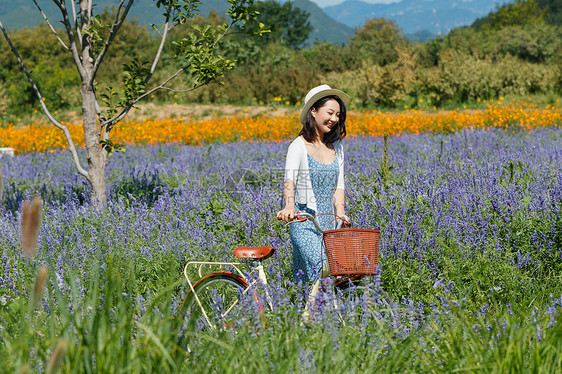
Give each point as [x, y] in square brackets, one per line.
[216, 302]
[363, 301]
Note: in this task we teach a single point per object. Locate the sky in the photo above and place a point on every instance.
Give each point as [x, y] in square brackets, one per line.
[325, 3]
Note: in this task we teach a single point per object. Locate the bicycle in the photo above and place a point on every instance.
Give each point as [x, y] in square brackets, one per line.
[220, 299]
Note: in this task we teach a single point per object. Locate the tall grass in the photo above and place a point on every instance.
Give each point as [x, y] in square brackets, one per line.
[470, 252]
[109, 330]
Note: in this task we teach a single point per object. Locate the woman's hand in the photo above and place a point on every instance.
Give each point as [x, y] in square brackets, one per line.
[346, 220]
[286, 215]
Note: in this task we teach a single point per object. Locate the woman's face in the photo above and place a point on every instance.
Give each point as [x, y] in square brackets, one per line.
[326, 117]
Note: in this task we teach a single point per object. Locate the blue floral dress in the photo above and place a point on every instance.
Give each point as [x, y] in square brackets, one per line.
[306, 239]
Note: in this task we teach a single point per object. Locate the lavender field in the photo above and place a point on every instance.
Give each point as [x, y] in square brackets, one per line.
[471, 253]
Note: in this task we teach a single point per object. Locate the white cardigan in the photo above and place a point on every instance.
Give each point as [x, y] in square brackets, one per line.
[296, 170]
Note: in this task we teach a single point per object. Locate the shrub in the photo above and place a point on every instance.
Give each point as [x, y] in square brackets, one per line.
[373, 84]
[461, 76]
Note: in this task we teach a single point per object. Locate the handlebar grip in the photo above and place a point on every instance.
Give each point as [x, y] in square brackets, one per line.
[300, 218]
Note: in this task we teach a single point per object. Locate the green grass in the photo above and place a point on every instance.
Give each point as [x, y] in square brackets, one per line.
[110, 329]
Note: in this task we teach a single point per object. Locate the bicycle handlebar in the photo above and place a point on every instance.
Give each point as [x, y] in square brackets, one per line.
[303, 216]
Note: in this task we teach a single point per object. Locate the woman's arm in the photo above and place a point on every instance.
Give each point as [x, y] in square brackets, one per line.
[288, 213]
[292, 166]
[339, 194]
[339, 204]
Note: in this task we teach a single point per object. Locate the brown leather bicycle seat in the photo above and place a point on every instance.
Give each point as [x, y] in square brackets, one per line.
[254, 252]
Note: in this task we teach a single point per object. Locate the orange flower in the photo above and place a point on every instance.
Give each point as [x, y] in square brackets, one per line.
[39, 137]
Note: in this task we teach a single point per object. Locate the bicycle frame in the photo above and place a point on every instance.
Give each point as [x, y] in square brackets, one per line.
[236, 265]
[255, 265]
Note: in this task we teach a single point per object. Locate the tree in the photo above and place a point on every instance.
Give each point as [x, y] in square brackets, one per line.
[536, 43]
[553, 10]
[521, 12]
[288, 24]
[377, 42]
[326, 57]
[51, 66]
[87, 40]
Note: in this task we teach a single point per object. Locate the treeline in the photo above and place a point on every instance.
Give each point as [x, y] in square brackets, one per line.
[516, 50]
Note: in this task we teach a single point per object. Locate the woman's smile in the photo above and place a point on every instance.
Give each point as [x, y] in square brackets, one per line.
[327, 116]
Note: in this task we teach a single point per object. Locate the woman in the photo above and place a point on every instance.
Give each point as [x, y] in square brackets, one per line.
[314, 180]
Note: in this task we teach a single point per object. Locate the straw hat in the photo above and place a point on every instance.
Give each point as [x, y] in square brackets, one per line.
[319, 92]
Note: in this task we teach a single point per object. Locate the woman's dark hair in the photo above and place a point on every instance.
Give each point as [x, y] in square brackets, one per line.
[337, 132]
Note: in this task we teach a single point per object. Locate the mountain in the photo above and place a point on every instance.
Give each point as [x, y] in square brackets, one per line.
[17, 14]
[418, 19]
[324, 27]
[413, 16]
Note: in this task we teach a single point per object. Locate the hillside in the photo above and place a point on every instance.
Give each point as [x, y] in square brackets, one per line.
[553, 15]
[554, 7]
[18, 14]
[435, 16]
[325, 28]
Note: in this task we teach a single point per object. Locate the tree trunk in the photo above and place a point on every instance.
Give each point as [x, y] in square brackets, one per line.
[96, 155]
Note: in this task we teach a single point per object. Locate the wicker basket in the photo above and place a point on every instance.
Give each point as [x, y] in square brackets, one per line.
[352, 251]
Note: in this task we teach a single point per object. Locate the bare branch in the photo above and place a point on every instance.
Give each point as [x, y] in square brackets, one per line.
[223, 35]
[90, 3]
[62, 6]
[85, 22]
[64, 129]
[159, 52]
[117, 22]
[72, 39]
[75, 21]
[51, 26]
[179, 91]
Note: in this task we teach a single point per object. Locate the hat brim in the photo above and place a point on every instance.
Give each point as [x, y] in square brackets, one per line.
[319, 95]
